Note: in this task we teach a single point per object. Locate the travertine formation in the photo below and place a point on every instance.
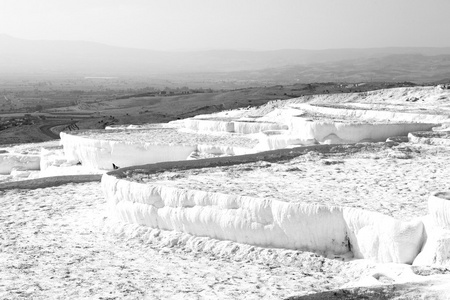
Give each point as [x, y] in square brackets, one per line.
[195, 197]
[238, 133]
[272, 221]
[279, 176]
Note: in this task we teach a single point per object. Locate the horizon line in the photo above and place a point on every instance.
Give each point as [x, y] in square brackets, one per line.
[223, 49]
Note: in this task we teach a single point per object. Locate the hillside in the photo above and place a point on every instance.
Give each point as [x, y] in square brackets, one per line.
[18, 56]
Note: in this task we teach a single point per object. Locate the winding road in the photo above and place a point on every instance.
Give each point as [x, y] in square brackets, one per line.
[46, 129]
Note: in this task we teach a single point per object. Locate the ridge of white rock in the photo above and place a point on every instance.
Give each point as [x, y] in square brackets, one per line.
[220, 150]
[142, 126]
[373, 115]
[208, 125]
[33, 160]
[439, 209]
[98, 152]
[242, 126]
[17, 161]
[280, 139]
[22, 157]
[424, 96]
[441, 138]
[263, 222]
[338, 132]
[382, 238]
[101, 154]
[241, 219]
[436, 250]
[417, 100]
[308, 132]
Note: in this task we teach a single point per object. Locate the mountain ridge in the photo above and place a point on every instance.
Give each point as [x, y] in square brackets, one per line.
[21, 56]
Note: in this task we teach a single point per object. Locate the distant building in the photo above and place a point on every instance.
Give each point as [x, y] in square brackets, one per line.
[352, 85]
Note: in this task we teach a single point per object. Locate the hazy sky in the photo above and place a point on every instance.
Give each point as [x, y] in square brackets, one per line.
[232, 24]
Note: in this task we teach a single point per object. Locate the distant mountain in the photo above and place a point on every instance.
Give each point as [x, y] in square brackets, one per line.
[18, 56]
[390, 68]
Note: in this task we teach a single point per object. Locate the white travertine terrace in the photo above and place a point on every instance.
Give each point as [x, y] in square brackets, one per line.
[276, 125]
[276, 221]
[209, 125]
[11, 161]
[249, 127]
[102, 154]
[431, 138]
[326, 132]
[439, 209]
[360, 173]
[24, 157]
[280, 139]
[102, 149]
[436, 250]
[374, 115]
[429, 97]
[266, 222]
[230, 125]
[272, 222]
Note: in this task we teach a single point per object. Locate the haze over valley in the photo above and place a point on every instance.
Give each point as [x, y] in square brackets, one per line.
[87, 59]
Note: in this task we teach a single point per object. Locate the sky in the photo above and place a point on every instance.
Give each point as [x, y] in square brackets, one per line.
[232, 24]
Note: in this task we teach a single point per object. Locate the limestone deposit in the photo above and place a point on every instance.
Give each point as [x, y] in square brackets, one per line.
[326, 194]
